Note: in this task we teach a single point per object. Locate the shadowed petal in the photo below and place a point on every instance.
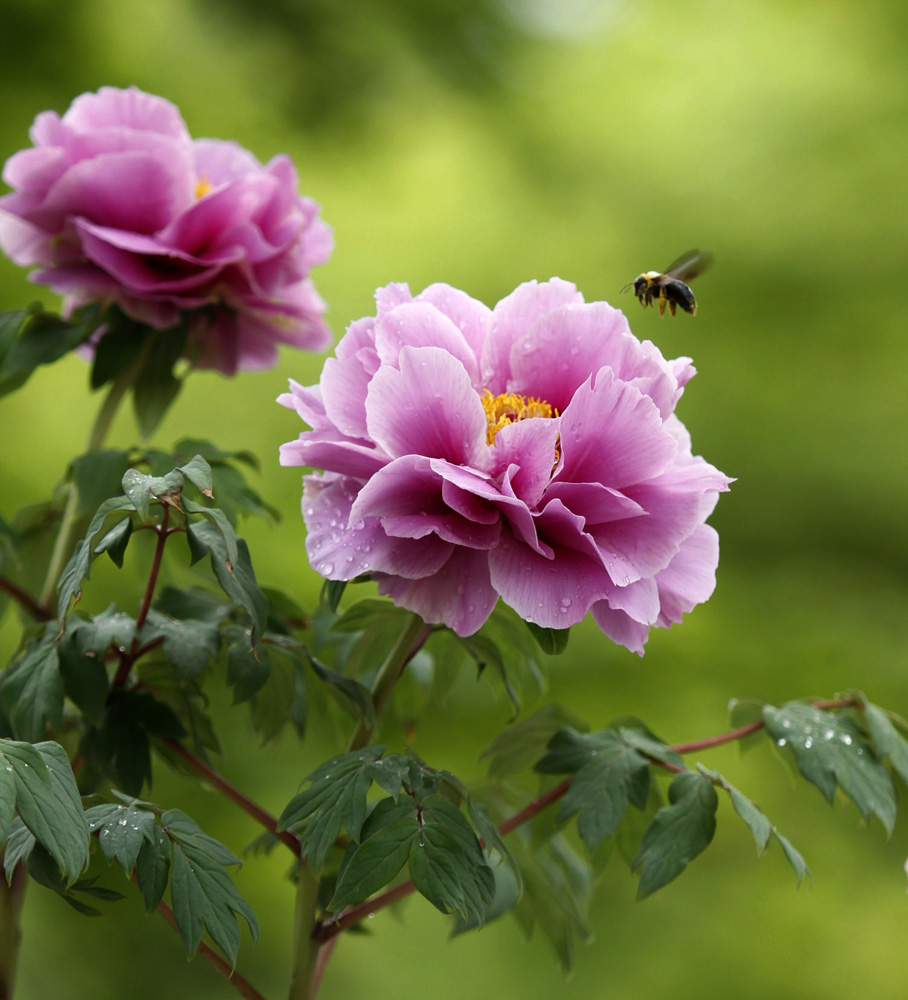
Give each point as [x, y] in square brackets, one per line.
[460, 596]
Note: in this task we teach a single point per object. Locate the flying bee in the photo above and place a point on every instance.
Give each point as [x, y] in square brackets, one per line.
[669, 286]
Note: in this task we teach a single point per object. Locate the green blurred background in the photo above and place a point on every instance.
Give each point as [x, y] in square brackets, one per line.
[484, 143]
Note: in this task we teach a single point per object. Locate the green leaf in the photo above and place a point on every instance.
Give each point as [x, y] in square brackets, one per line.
[84, 678]
[96, 635]
[32, 691]
[122, 830]
[757, 823]
[794, 858]
[379, 858]
[354, 697]
[31, 337]
[79, 566]
[363, 614]
[189, 645]
[830, 748]
[601, 789]
[494, 841]
[550, 640]
[97, 476]
[336, 798]
[331, 594]
[248, 665]
[18, 848]
[218, 521]
[119, 347]
[198, 472]
[116, 540]
[178, 826]
[887, 740]
[443, 874]
[48, 802]
[156, 387]
[649, 745]
[235, 575]
[679, 832]
[7, 801]
[203, 896]
[153, 868]
[520, 746]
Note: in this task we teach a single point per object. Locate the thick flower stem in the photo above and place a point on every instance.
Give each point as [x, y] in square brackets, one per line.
[305, 947]
[409, 642]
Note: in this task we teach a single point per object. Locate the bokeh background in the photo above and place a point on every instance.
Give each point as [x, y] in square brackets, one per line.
[484, 143]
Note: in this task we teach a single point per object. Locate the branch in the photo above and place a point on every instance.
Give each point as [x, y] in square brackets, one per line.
[241, 985]
[327, 932]
[251, 808]
[36, 610]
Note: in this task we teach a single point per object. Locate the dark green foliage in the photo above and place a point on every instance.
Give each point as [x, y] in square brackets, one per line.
[758, 824]
[32, 689]
[121, 746]
[31, 337]
[831, 750]
[424, 828]
[122, 830]
[38, 782]
[521, 744]
[550, 640]
[678, 833]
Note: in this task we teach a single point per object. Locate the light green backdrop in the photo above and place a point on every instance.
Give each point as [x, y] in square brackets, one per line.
[484, 145]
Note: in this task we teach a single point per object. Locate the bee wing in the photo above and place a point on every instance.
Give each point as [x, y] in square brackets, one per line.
[689, 265]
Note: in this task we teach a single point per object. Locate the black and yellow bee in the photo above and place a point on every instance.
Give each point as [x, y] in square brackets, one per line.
[669, 286]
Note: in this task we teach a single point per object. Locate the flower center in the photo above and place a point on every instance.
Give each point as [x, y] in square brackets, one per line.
[203, 186]
[509, 407]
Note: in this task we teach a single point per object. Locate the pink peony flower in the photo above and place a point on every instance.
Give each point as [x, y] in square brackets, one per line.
[115, 202]
[529, 452]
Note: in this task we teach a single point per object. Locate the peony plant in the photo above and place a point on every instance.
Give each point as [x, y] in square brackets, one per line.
[458, 454]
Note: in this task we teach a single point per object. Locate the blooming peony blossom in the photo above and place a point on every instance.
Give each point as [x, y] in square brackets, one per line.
[116, 202]
[528, 452]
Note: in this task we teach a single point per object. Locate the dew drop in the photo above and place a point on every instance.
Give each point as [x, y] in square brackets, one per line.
[565, 602]
[808, 743]
[781, 742]
[122, 821]
[846, 739]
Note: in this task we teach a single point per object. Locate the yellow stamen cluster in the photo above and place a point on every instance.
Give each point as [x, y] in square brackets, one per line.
[202, 186]
[509, 407]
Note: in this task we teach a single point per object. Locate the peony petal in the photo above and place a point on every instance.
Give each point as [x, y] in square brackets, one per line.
[460, 596]
[511, 319]
[429, 407]
[612, 434]
[690, 578]
[339, 552]
[420, 324]
[620, 628]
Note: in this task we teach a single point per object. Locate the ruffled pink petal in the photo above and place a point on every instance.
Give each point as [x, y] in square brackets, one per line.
[130, 108]
[460, 596]
[690, 578]
[612, 434]
[420, 324]
[429, 407]
[470, 316]
[525, 453]
[339, 552]
[511, 320]
[620, 628]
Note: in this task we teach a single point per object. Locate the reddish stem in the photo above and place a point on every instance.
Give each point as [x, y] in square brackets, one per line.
[241, 985]
[33, 607]
[327, 932]
[251, 808]
[127, 659]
